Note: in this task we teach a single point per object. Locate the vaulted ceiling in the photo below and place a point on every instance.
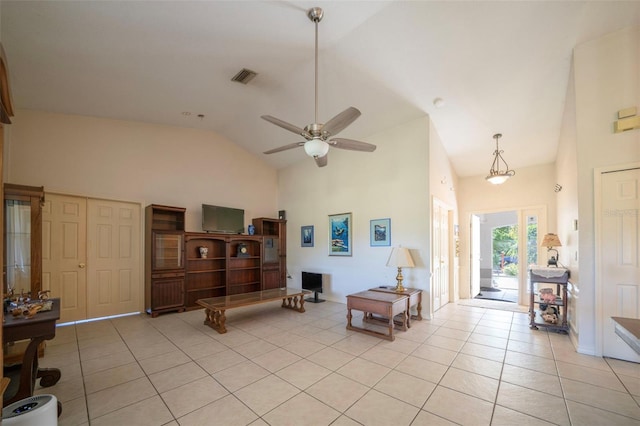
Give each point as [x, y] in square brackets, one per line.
[498, 67]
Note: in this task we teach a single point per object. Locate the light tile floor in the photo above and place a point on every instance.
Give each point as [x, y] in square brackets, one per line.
[467, 366]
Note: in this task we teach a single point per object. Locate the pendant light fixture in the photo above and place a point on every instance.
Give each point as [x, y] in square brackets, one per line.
[496, 175]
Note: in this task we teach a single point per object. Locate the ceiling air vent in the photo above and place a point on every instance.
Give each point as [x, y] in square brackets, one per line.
[244, 76]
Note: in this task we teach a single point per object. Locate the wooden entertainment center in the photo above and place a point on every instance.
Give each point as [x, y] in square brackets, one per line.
[177, 274]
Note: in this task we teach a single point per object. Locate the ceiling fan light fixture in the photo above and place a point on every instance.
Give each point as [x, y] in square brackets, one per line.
[316, 147]
[317, 133]
[497, 176]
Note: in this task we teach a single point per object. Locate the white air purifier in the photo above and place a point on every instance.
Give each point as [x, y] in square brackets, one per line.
[40, 410]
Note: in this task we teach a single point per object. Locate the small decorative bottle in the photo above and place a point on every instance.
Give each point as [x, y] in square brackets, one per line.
[251, 229]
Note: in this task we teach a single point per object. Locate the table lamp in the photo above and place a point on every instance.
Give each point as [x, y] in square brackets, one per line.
[550, 241]
[400, 258]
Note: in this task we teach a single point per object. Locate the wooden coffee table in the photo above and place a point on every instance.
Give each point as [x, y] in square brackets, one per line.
[387, 305]
[415, 299]
[215, 307]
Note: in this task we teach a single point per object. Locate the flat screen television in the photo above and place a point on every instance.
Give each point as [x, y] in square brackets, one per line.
[313, 282]
[226, 220]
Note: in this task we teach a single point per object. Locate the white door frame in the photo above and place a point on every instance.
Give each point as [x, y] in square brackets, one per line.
[523, 267]
[597, 221]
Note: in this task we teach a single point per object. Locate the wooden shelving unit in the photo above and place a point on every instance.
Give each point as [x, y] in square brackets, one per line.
[245, 269]
[225, 271]
[178, 274]
[274, 255]
[205, 277]
[164, 259]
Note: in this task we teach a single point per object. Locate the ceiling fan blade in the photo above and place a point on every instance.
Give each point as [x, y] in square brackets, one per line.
[341, 121]
[290, 127]
[321, 161]
[352, 145]
[284, 148]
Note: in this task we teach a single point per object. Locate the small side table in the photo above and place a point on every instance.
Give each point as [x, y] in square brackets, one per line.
[386, 305]
[414, 299]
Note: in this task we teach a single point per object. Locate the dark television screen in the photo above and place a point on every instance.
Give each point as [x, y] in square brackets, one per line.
[222, 219]
[312, 281]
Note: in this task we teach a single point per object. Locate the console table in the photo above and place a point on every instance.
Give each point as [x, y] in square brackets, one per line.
[387, 305]
[37, 329]
[415, 299]
[549, 276]
[215, 307]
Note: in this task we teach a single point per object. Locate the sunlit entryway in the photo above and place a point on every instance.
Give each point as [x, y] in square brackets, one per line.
[507, 243]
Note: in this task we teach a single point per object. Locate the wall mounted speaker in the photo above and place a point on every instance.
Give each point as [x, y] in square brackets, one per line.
[282, 214]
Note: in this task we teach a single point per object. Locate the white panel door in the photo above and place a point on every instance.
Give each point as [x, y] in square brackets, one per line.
[116, 286]
[620, 257]
[440, 255]
[64, 254]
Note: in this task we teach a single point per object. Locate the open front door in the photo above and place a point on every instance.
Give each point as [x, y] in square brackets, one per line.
[475, 255]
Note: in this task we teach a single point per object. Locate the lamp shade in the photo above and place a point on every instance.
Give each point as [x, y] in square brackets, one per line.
[400, 257]
[551, 240]
[316, 148]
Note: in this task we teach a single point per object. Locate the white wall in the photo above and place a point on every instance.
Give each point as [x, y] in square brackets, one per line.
[138, 162]
[567, 207]
[392, 182]
[607, 79]
[530, 187]
[443, 179]
[443, 182]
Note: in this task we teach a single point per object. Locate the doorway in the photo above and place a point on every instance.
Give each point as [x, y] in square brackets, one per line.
[504, 244]
[441, 254]
[617, 214]
[91, 256]
[498, 256]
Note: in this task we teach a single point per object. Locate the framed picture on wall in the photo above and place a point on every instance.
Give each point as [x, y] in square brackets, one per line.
[306, 236]
[380, 232]
[340, 234]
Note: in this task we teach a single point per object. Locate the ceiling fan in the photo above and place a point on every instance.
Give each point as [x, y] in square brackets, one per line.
[319, 137]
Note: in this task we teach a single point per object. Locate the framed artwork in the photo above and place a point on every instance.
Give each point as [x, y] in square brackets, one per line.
[306, 236]
[380, 232]
[340, 238]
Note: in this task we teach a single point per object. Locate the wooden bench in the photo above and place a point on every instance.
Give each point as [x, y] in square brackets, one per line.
[215, 307]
